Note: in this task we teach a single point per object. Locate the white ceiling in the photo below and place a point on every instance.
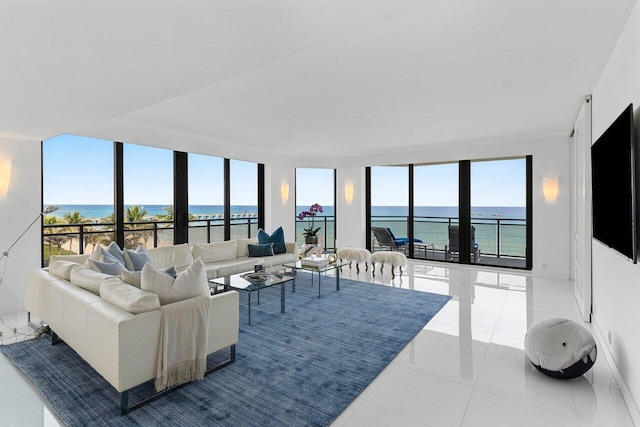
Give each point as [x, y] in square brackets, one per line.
[302, 77]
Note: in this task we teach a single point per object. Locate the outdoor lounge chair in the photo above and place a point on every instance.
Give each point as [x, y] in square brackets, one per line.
[387, 241]
[452, 250]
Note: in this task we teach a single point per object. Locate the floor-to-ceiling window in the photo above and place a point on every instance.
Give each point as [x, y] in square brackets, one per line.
[484, 201]
[206, 198]
[110, 191]
[498, 210]
[435, 210]
[243, 199]
[315, 189]
[389, 203]
[148, 196]
[77, 176]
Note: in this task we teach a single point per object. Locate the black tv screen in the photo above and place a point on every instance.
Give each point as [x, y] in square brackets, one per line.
[613, 165]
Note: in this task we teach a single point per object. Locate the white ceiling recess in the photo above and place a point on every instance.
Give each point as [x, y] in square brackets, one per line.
[302, 78]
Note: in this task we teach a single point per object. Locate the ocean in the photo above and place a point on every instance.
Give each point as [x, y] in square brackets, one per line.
[489, 212]
[498, 229]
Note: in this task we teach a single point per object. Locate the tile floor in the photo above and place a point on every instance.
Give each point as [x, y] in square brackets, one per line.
[466, 368]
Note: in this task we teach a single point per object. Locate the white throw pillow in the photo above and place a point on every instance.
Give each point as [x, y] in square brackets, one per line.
[178, 256]
[190, 283]
[62, 269]
[243, 246]
[128, 297]
[88, 279]
[218, 251]
[134, 278]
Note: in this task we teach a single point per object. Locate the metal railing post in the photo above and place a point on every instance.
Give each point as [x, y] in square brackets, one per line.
[81, 239]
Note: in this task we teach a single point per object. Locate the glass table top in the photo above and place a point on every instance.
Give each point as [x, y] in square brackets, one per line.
[250, 281]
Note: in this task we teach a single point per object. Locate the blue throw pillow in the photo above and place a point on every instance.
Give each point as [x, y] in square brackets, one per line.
[111, 268]
[135, 260]
[277, 238]
[114, 252]
[259, 250]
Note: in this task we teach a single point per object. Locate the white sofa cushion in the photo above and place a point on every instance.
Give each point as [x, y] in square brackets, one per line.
[87, 279]
[218, 251]
[79, 259]
[243, 246]
[191, 282]
[229, 267]
[178, 256]
[128, 297]
[61, 269]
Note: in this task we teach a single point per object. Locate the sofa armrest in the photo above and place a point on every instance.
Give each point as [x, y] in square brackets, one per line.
[224, 320]
[292, 248]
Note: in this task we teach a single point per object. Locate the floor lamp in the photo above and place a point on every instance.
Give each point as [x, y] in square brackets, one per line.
[5, 254]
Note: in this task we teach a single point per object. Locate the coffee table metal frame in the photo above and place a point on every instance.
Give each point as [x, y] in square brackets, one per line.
[334, 266]
[239, 283]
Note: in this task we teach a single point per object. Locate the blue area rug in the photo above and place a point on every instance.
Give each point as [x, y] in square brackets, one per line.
[303, 367]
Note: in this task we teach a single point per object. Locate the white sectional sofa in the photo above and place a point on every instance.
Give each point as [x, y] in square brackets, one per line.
[120, 339]
[220, 258]
[120, 345]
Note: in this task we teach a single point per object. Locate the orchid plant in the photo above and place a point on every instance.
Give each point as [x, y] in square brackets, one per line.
[311, 213]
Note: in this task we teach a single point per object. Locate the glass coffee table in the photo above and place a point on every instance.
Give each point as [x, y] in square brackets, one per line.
[295, 266]
[253, 282]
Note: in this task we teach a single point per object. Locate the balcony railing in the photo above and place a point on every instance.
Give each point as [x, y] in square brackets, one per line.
[82, 238]
[497, 237]
[326, 235]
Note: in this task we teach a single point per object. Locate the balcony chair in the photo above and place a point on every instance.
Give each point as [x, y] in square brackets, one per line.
[452, 250]
[387, 241]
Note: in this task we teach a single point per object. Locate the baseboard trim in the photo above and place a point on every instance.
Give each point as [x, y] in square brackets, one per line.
[629, 401]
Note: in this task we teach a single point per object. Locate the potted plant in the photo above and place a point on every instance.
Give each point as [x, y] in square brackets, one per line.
[311, 234]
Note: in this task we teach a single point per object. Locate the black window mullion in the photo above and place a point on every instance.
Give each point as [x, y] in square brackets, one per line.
[410, 228]
[118, 193]
[227, 199]
[180, 197]
[261, 200]
[464, 211]
[367, 179]
[529, 215]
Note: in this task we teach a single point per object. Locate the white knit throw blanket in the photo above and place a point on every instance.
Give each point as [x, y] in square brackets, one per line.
[184, 334]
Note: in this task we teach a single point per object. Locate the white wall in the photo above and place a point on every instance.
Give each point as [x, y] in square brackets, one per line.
[616, 281]
[277, 212]
[18, 209]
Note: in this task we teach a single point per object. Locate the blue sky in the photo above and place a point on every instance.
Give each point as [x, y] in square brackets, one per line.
[69, 160]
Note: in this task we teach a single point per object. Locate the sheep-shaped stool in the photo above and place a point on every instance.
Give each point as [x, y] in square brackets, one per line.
[560, 348]
[396, 259]
[356, 255]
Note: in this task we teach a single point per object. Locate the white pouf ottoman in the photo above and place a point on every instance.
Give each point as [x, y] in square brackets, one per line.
[396, 259]
[356, 255]
[560, 348]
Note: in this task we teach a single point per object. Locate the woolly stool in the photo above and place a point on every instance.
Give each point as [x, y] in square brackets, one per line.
[356, 255]
[396, 259]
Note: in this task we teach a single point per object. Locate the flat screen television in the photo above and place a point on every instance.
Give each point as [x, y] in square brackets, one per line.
[614, 186]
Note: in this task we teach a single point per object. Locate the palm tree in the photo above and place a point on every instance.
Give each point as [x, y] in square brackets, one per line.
[135, 214]
[73, 218]
[168, 215]
[49, 231]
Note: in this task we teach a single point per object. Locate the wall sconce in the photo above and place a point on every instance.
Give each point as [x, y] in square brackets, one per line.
[348, 192]
[284, 192]
[550, 189]
[5, 176]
